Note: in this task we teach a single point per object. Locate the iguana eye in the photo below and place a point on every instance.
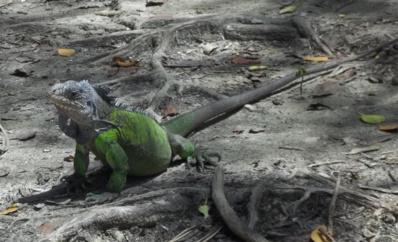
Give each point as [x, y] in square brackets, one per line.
[73, 93]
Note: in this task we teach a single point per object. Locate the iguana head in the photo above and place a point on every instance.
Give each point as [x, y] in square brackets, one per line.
[78, 101]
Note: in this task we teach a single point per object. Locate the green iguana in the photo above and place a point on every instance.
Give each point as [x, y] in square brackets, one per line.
[133, 143]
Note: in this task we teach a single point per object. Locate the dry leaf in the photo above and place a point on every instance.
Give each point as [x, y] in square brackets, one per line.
[243, 61]
[318, 236]
[317, 59]
[326, 88]
[388, 127]
[123, 63]
[364, 149]
[48, 228]
[346, 74]
[11, 209]
[66, 52]
[170, 111]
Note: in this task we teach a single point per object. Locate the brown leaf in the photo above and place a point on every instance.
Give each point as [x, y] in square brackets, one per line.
[388, 127]
[243, 61]
[237, 130]
[124, 63]
[66, 52]
[315, 59]
[347, 74]
[170, 111]
[318, 236]
[326, 88]
[69, 158]
[48, 228]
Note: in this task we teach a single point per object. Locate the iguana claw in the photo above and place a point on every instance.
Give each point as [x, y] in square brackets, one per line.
[74, 182]
[97, 199]
[200, 158]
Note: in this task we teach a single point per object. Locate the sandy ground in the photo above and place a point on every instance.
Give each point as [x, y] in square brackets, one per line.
[276, 141]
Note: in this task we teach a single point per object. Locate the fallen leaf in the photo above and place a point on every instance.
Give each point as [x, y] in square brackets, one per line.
[342, 15]
[257, 68]
[364, 149]
[237, 130]
[170, 111]
[316, 59]
[347, 74]
[13, 208]
[388, 127]
[66, 52]
[318, 236]
[326, 88]
[288, 9]
[123, 63]
[243, 61]
[204, 209]
[372, 118]
[209, 49]
[48, 228]
[69, 158]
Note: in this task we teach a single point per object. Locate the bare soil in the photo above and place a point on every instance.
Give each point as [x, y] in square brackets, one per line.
[289, 143]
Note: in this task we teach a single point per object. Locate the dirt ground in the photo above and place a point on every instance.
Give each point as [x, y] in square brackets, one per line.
[284, 146]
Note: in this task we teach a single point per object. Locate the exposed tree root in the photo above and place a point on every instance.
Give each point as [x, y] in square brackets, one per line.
[140, 210]
[252, 207]
[230, 27]
[332, 205]
[227, 213]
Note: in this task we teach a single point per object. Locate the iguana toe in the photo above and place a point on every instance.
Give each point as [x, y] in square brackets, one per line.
[74, 182]
[199, 159]
[97, 199]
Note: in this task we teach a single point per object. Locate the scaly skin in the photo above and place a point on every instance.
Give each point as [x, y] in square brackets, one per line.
[129, 143]
[133, 143]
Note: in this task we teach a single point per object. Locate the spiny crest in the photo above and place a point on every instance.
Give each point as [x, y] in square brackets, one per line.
[105, 94]
[134, 109]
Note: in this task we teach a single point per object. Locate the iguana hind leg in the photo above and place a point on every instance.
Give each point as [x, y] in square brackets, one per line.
[186, 150]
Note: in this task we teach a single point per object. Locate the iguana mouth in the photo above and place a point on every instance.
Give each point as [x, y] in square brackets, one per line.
[65, 104]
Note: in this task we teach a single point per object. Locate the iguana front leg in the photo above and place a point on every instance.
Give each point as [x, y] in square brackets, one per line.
[80, 163]
[116, 158]
[186, 150]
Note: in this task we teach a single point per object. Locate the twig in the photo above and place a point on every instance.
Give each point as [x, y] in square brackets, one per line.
[210, 235]
[325, 163]
[227, 213]
[379, 189]
[184, 233]
[327, 235]
[5, 140]
[333, 205]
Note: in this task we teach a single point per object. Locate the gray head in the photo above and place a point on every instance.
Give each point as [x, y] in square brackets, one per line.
[77, 100]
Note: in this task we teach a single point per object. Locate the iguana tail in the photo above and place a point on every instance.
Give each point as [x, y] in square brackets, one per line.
[198, 119]
[201, 118]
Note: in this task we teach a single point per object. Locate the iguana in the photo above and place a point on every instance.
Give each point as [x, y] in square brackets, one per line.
[133, 143]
